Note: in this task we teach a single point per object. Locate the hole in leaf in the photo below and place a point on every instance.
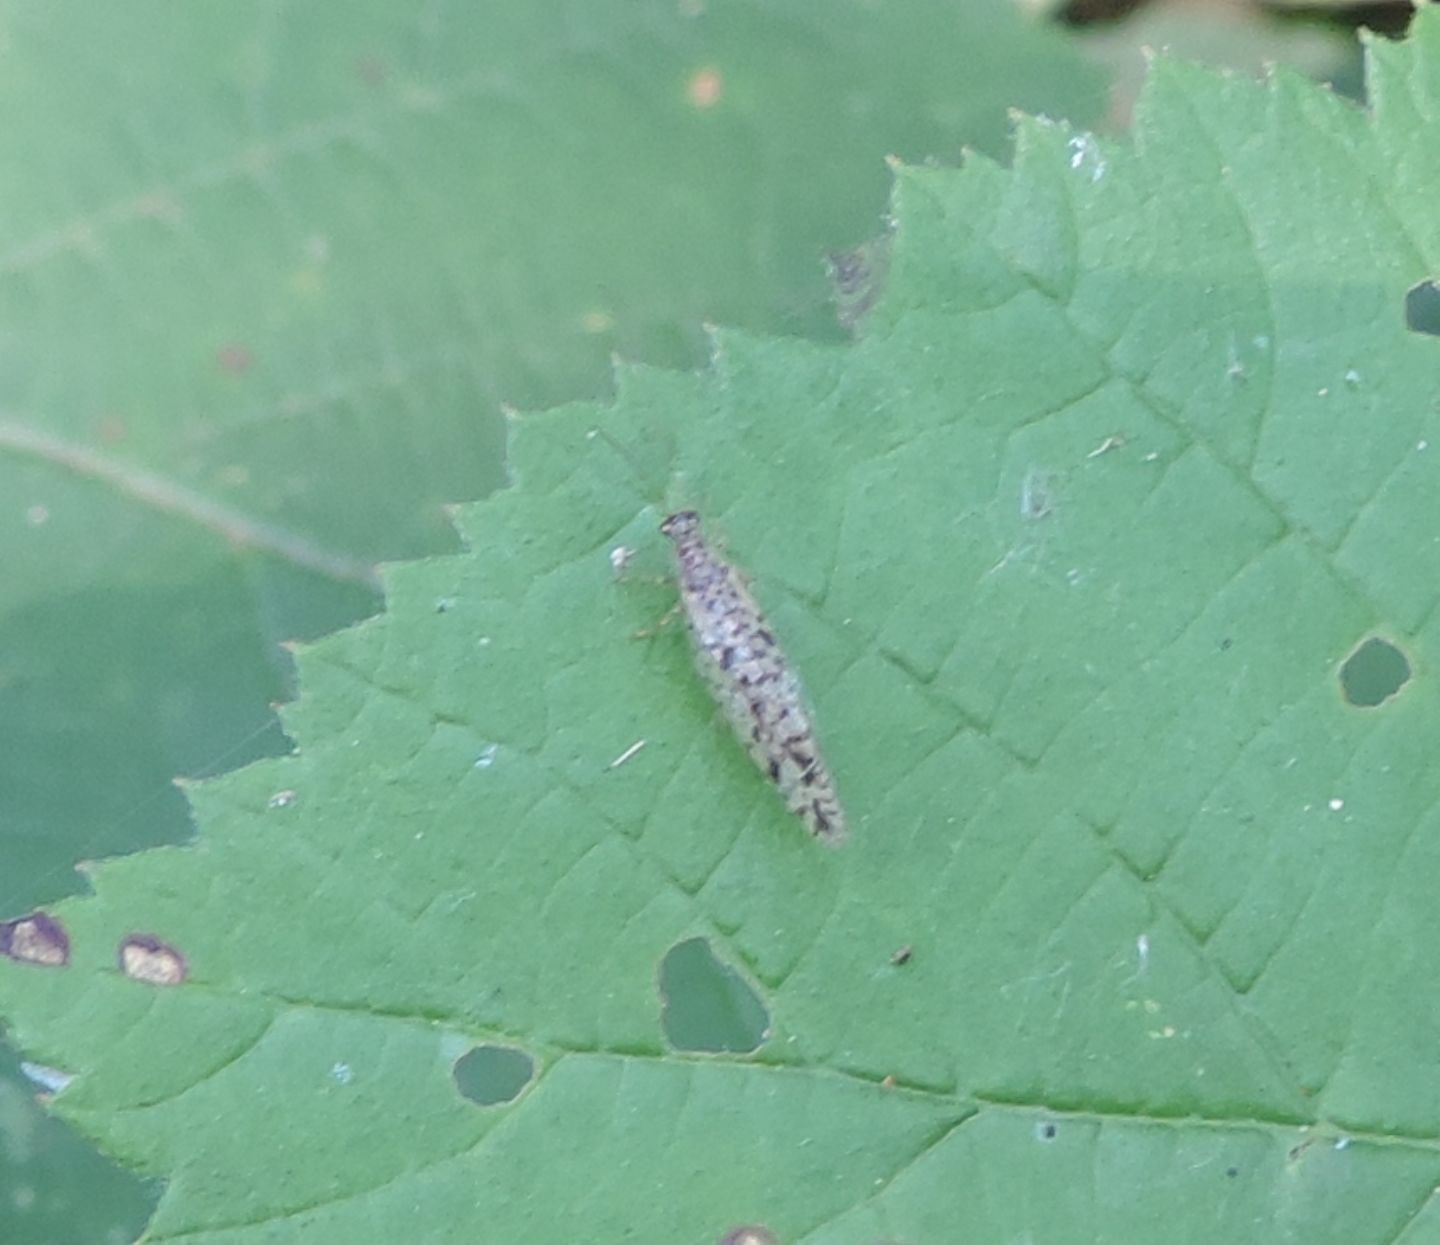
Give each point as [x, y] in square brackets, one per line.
[146, 958]
[490, 1075]
[35, 939]
[749, 1234]
[1373, 673]
[1422, 308]
[1046, 1131]
[705, 1005]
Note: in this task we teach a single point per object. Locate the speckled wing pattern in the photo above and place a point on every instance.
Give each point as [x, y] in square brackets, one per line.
[753, 682]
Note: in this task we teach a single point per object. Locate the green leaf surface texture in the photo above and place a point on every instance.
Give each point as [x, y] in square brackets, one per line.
[269, 273]
[1134, 934]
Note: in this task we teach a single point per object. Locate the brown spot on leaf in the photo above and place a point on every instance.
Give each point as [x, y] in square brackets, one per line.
[705, 88]
[234, 358]
[35, 939]
[151, 960]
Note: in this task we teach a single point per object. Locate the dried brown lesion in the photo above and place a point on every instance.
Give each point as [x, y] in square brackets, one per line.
[37, 938]
[144, 957]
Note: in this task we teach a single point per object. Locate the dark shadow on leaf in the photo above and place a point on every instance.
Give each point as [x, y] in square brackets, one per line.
[107, 696]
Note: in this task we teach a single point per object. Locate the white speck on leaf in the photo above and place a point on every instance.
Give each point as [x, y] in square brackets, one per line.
[1236, 369]
[620, 558]
[281, 799]
[52, 1080]
[1082, 148]
[487, 756]
[627, 754]
[1035, 497]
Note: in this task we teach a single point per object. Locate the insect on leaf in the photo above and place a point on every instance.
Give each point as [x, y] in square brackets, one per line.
[751, 678]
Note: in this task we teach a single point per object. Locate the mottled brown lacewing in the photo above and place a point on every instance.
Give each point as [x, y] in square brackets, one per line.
[751, 678]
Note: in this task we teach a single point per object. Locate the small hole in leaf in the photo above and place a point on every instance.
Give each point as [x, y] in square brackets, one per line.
[1422, 308]
[748, 1234]
[705, 1005]
[1046, 1131]
[490, 1075]
[1373, 673]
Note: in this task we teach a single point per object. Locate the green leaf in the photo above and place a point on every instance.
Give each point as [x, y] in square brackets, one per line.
[1072, 548]
[270, 277]
[270, 273]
